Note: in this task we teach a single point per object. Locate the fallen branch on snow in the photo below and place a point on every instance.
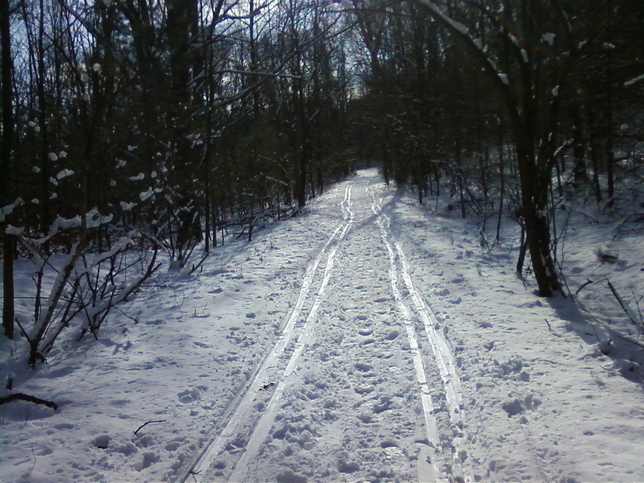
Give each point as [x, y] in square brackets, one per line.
[28, 398]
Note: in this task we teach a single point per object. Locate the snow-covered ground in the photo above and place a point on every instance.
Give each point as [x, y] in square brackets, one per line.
[370, 339]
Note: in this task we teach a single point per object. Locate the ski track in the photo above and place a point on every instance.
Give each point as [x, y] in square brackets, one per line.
[531, 462]
[430, 473]
[452, 438]
[263, 377]
[268, 416]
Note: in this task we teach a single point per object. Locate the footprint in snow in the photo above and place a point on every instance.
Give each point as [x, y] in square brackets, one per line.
[518, 406]
[344, 467]
[191, 394]
[148, 460]
[392, 335]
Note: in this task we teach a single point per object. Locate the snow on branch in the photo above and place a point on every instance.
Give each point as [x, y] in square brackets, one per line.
[7, 210]
[464, 32]
[118, 247]
[87, 286]
[630, 82]
[93, 219]
[64, 174]
[44, 320]
[462, 28]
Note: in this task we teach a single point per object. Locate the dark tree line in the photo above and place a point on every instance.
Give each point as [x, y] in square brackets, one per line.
[186, 119]
[490, 91]
[182, 119]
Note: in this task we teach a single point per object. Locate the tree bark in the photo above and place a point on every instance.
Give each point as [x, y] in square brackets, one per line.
[8, 287]
[5, 167]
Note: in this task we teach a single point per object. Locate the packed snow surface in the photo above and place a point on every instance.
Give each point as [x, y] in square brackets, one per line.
[369, 339]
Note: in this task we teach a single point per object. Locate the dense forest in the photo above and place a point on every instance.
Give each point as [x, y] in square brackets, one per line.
[145, 125]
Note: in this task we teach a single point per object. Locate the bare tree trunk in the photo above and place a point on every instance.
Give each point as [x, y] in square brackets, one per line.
[579, 145]
[8, 287]
[608, 119]
[534, 190]
[5, 166]
[502, 187]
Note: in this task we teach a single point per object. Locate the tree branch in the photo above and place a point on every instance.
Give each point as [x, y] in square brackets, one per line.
[28, 398]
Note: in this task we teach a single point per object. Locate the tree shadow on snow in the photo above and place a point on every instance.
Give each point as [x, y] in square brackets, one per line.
[625, 353]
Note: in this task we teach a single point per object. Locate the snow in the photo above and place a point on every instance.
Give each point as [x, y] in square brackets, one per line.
[8, 209]
[13, 230]
[370, 338]
[145, 195]
[125, 206]
[64, 174]
[634, 80]
[549, 37]
[460, 27]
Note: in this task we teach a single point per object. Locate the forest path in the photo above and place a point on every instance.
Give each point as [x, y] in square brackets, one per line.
[359, 385]
[370, 338]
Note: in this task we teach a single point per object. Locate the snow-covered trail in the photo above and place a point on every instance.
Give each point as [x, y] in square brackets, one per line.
[346, 392]
[363, 384]
[368, 339]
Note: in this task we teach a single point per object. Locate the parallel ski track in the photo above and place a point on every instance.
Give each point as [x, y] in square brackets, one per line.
[442, 355]
[197, 472]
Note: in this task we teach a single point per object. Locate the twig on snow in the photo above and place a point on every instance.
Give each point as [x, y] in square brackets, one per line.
[149, 422]
[580, 288]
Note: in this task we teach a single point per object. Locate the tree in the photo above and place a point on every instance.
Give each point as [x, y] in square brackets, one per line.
[6, 147]
[528, 89]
